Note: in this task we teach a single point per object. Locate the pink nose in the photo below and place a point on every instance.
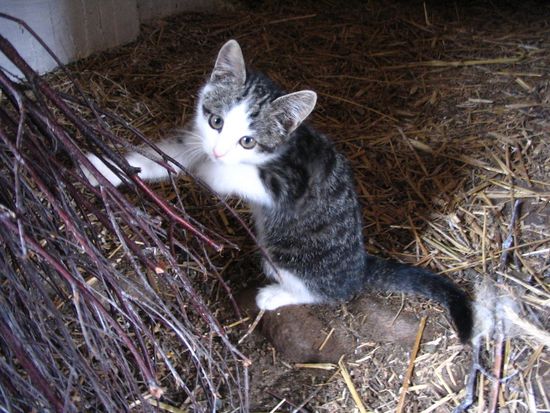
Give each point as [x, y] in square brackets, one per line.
[217, 154]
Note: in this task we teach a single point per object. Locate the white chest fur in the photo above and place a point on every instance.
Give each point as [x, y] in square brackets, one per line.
[240, 180]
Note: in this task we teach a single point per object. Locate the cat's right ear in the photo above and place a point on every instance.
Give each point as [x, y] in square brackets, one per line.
[229, 64]
[292, 109]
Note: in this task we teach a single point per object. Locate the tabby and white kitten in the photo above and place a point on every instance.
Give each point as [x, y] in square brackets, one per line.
[248, 139]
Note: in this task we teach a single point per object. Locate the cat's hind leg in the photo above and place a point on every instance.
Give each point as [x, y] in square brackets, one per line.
[290, 290]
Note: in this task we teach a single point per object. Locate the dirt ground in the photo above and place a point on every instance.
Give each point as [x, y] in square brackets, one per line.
[444, 111]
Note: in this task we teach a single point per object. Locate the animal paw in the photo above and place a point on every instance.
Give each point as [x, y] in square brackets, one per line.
[88, 175]
[272, 297]
[102, 168]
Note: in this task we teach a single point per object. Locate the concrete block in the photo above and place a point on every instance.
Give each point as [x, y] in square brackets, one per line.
[72, 29]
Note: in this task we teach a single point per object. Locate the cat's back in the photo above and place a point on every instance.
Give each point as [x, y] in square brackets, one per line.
[308, 169]
[315, 227]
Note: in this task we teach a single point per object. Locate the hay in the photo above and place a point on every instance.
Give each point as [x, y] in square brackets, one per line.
[444, 113]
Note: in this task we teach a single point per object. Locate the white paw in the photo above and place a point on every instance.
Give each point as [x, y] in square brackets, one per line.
[102, 168]
[273, 296]
[88, 175]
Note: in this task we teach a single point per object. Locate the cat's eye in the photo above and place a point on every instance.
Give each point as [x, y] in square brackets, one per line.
[215, 122]
[247, 142]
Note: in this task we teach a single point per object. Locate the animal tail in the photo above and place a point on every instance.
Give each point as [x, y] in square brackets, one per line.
[392, 276]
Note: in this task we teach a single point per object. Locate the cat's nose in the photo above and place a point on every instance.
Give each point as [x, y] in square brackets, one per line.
[217, 153]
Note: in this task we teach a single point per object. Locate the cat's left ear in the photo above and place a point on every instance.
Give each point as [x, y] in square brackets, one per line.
[292, 109]
[229, 64]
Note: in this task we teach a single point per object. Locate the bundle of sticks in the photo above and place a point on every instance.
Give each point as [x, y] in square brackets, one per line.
[77, 332]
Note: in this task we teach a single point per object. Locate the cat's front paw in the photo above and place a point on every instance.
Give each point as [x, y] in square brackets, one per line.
[102, 168]
[272, 297]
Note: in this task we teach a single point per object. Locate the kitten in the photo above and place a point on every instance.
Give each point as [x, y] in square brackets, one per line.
[248, 139]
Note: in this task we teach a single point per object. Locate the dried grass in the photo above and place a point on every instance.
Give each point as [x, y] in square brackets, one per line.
[444, 112]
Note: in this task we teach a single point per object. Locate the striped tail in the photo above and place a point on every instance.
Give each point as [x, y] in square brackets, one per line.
[392, 276]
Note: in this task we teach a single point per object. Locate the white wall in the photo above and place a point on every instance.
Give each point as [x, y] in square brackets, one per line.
[75, 29]
[72, 29]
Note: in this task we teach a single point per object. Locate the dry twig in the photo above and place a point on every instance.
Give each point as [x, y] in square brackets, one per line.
[54, 230]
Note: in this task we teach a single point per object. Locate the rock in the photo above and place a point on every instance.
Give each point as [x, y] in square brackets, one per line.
[297, 333]
[380, 324]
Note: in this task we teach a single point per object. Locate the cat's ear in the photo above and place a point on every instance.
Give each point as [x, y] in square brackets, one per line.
[292, 109]
[229, 64]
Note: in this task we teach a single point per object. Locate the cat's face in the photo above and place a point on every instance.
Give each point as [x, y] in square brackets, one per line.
[244, 118]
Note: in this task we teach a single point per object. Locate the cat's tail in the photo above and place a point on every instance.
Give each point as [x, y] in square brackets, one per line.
[392, 276]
